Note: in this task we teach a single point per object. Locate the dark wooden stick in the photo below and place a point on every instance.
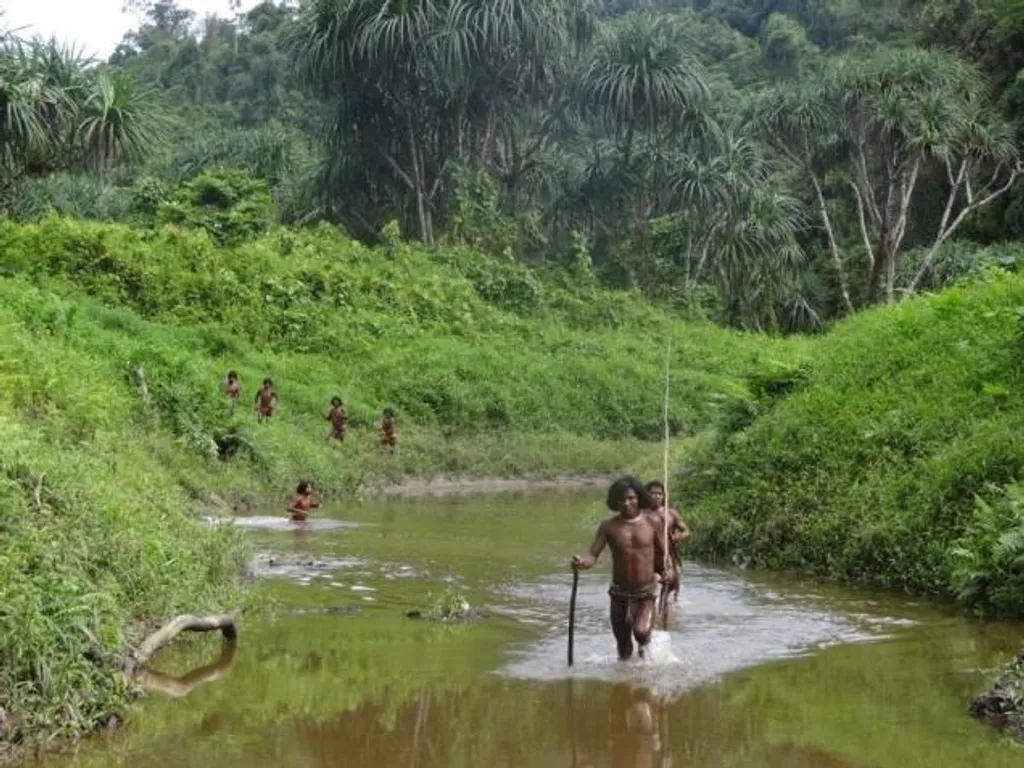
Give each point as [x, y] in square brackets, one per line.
[572, 610]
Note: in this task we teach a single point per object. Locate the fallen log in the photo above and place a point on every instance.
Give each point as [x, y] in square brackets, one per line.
[179, 687]
[173, 628]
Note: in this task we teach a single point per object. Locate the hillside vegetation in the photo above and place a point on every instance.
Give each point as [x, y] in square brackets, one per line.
[891, 457]
[113, 428]
[578, 177]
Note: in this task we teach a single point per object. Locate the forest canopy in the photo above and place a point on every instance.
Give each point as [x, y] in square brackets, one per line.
[768, 165]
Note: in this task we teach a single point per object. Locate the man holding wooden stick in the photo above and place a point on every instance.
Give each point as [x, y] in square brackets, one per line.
[635, 541]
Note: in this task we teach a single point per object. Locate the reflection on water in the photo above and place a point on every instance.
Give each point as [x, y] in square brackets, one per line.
[182, 686]
[752, 671]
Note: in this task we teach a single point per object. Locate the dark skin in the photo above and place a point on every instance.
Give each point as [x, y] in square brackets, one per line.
[339, 421]
[678, 532]
[266, 401]
[635, 738]
[387, 431]
[634, 540]
[301, 504]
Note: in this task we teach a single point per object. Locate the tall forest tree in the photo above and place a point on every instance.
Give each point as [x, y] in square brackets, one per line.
[416, 87]
[870, 127]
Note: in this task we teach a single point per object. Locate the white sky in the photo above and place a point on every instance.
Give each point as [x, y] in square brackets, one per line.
[97, 26]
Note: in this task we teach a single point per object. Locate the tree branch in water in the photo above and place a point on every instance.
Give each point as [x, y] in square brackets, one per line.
[164, 635]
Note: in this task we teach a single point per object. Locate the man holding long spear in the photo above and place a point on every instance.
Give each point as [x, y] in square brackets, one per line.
[678, 532]
[636, 544]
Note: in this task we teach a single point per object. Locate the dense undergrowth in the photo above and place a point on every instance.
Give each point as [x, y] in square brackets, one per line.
[112, 424]
[889, 456]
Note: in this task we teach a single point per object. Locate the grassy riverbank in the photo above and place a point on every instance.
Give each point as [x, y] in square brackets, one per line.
[891, 457]
[113, 430]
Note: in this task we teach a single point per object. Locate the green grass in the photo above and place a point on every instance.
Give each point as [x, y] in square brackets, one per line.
[892, 459]
[116, 341]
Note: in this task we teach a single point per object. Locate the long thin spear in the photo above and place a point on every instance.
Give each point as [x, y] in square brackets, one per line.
[664, 416]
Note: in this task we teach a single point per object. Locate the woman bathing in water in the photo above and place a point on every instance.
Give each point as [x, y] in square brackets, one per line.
[637, 558]
[302, 502]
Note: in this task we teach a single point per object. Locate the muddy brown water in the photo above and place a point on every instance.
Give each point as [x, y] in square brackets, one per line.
[754, 670]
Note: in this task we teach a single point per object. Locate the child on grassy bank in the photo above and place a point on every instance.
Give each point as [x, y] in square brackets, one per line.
[338, 417]
[388, 438]
[232, 388]
[266, 400]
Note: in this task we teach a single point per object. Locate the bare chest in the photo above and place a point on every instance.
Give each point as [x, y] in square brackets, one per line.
[631, 536]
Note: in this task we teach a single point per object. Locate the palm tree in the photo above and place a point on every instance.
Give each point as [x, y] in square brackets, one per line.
[642, 97]
[416, 86]
[736, 226]
[116, 122]
[804, 127]
[56, 109]
[876, 123]
[33, 109]
[641, 77]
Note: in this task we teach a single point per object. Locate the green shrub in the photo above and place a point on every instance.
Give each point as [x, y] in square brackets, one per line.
[869, 468]
[988, 559]
[68, 194]
[456, 340]
[229, 204]
[98, 540]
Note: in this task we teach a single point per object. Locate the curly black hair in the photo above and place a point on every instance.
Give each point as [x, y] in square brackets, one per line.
[618, 489]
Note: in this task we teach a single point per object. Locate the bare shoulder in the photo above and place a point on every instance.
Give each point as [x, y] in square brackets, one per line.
[654, 516]
[611, 528]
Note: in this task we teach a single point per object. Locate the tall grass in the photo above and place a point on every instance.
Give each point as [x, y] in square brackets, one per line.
[96, 545]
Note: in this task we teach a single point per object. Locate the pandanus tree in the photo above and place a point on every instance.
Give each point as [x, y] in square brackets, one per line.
[33, 110]
[875, 125]
[735, 226]
[414, 85]
[57, 112]
[116, 122]
[643, 95]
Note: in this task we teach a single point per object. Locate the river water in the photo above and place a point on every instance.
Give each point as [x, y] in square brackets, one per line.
[753, 670]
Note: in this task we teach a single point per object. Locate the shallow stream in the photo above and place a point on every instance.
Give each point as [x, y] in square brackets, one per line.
[754, 670]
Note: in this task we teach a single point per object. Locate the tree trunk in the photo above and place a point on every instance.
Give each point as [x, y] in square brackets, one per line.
[844, 286]
[946, 227]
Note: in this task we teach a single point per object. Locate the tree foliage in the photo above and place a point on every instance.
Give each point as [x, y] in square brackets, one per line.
[770, 164]
[60, 112]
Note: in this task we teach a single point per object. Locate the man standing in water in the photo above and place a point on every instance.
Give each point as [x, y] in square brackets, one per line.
[634, 539]
[678, 532]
